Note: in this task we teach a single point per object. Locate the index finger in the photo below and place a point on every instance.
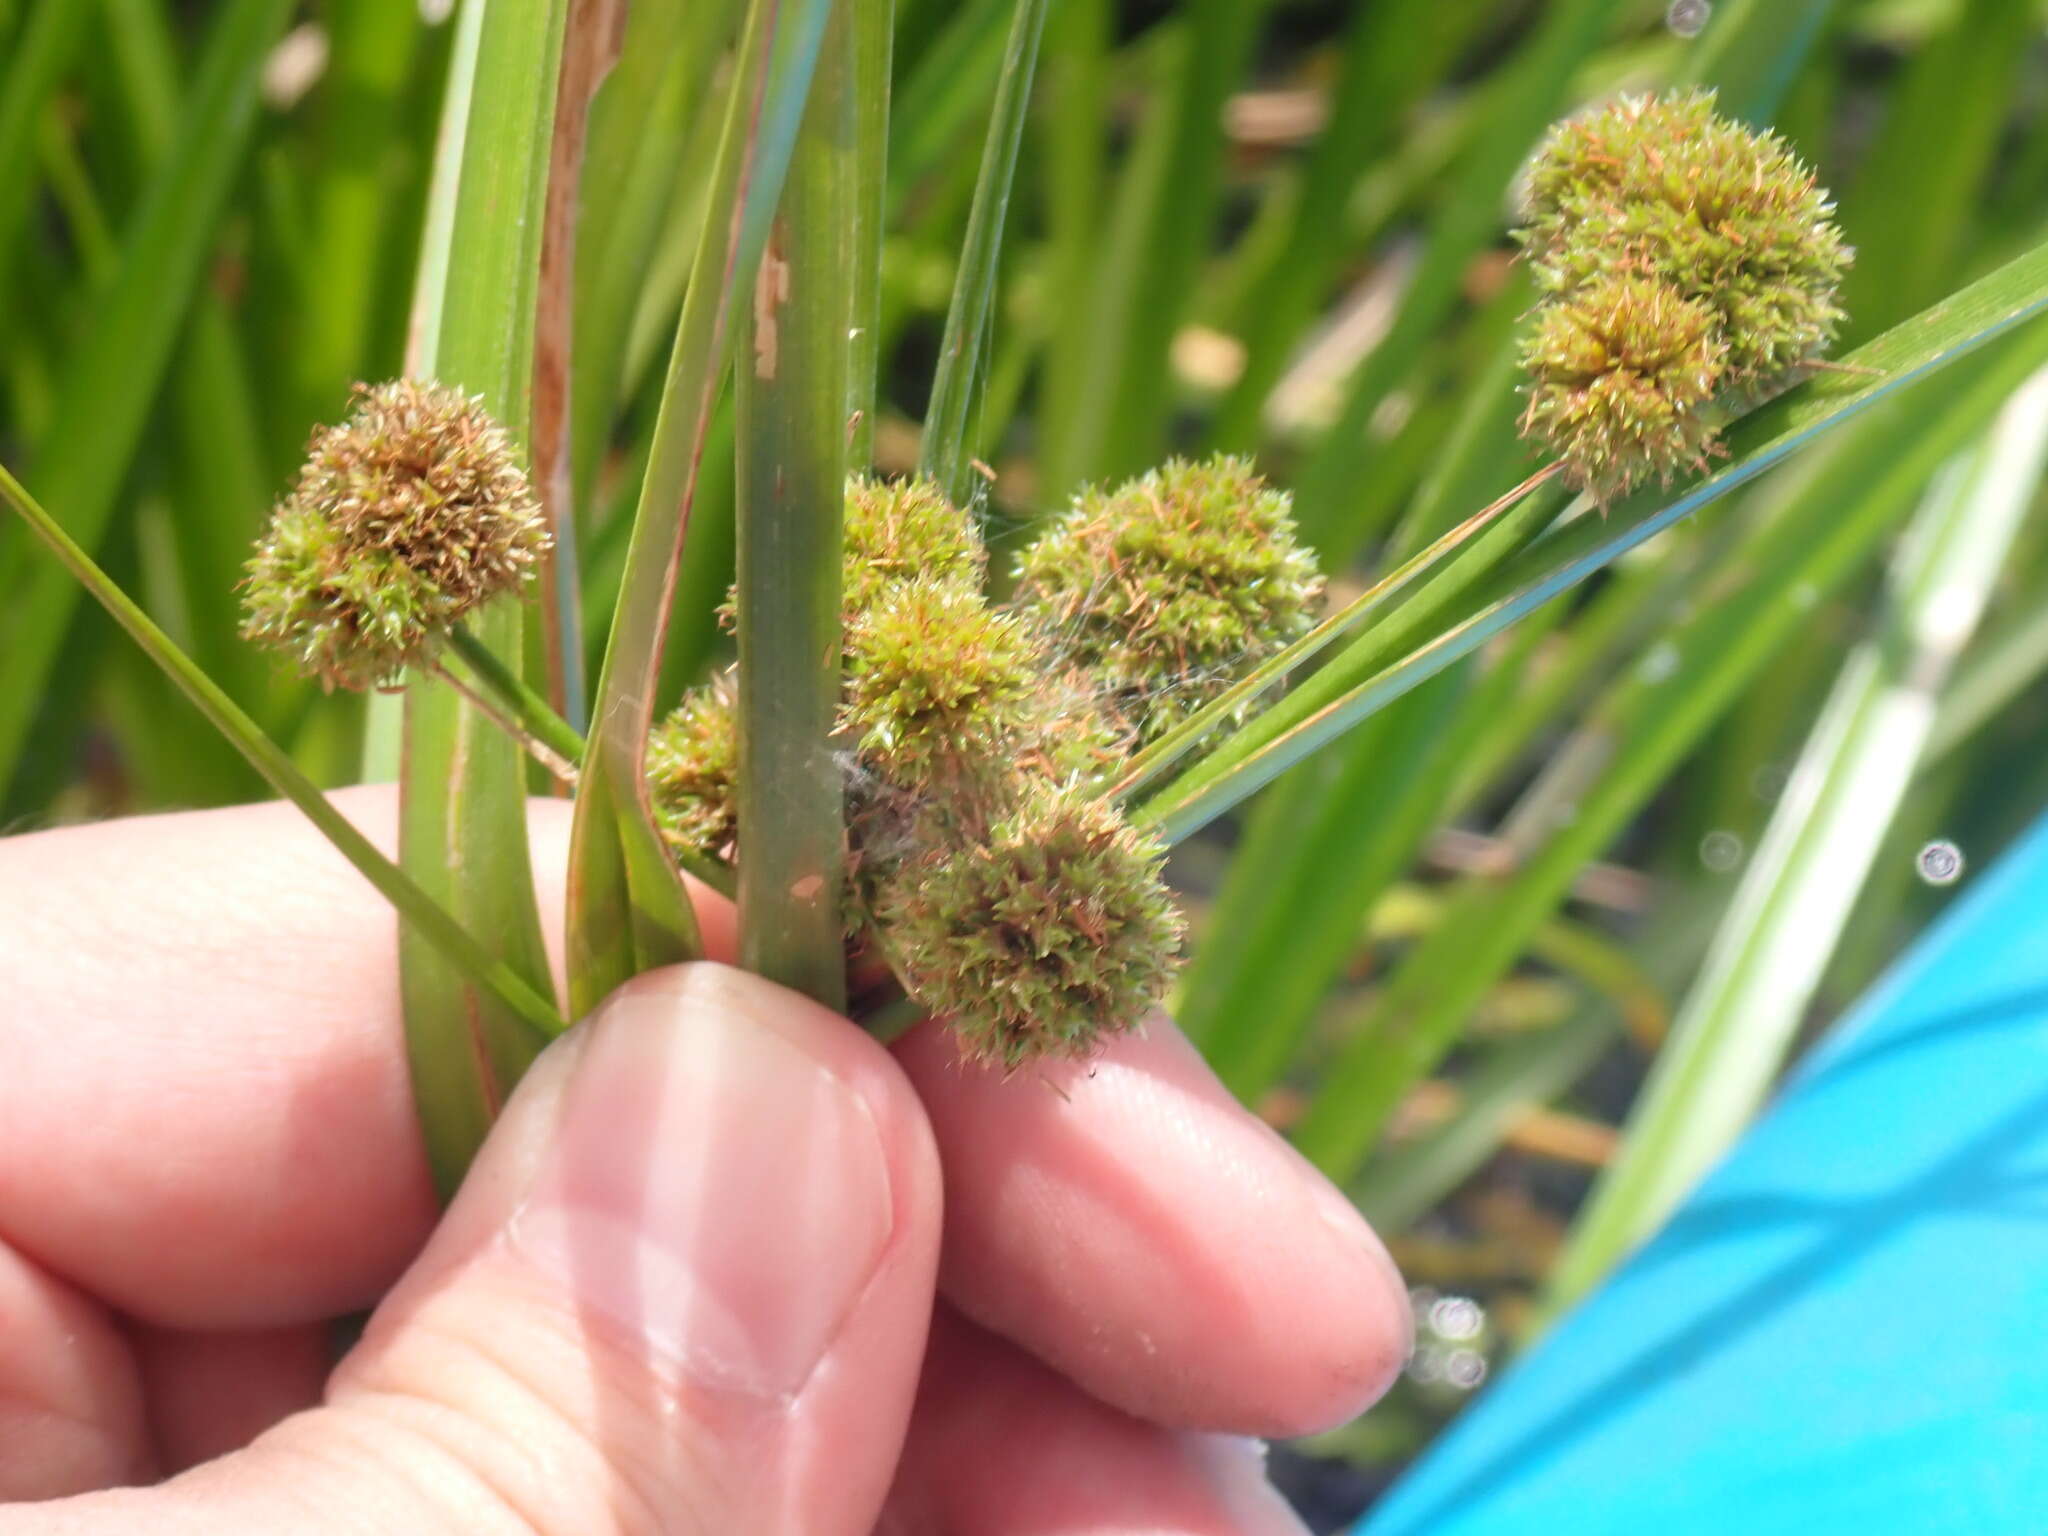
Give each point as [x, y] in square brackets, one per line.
[205, 1104]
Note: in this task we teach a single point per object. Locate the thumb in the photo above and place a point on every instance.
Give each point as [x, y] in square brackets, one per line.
[684, 1288]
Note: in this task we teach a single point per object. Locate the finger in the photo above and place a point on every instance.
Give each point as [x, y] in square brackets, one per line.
[685, 1287]
[71, 1406]
[211, 1393]
[1000, 1446]
[202, 1030]
[1125, 1220]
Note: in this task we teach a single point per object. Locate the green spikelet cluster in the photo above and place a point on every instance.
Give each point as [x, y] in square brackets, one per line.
[408, 515]
[1053, 929]
[1166, 590]
[1008, 900]
[1626, 365]
[693, 775]
[1009, 897]
[1682, 260]
[897, 530]
[941, 688]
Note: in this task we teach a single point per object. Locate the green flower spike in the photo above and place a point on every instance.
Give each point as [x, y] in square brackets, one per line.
[1164, 592]
[406, 517]
[1053, 933]
[693, 775]
[940, 688]
[1622, 372]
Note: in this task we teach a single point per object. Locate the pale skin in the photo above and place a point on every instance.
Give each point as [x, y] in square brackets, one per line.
[725, 1264]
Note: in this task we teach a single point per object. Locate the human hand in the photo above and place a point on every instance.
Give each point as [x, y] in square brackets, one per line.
[688, 1283]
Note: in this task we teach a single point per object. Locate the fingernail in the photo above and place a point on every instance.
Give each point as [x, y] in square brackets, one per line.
[1236, 1470]
[711, 1186]
[1355, 1235]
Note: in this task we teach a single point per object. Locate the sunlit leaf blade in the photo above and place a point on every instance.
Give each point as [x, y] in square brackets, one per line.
[1151, 764]
[1343, 693]
[627, 910]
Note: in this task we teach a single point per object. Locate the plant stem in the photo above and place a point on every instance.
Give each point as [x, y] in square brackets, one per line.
[487, 704]
[791, 397]
[943, 455]
[627, 910]
[873, 28]
[532, 721]
[462, 820]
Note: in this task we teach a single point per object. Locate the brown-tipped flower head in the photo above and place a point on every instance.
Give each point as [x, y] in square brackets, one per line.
[1053, 933]
[1165, 591]
[406, 516]
[1621, 375]
[1662, 189]
[693, 775]
[939, 686]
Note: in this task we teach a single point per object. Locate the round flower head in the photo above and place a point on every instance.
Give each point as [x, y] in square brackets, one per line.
[1053, 933]
[1165, 591]
[897, 530]
[939, 686]
[1621, 374]
[406, 516]
[693, 775]
[1662, 187]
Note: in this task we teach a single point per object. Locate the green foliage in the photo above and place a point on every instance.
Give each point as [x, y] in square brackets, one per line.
[407, 516]
[1162, 593]
[1051, 933]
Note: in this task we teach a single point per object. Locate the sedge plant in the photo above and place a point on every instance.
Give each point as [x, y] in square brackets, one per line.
[954, 790]
[1682, 263]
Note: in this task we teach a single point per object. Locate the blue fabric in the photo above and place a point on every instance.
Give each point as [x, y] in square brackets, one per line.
[1846, 1327]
